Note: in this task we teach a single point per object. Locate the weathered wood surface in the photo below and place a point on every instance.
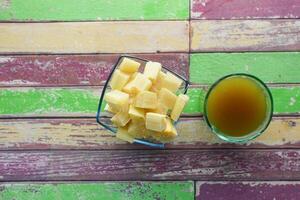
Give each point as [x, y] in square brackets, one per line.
[271, 67]
[83, 101]
[95, 37]
[19, 134]
[244, 9]
[245, 35]
[170, 190]
[58, 10]
[269, 190]
[61, 70]
[150, 165]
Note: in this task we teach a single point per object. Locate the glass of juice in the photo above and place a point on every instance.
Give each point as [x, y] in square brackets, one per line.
[238, 107]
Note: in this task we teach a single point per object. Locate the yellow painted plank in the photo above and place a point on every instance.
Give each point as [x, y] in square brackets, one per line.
[245, 35]
[94, 37]
[87, 134]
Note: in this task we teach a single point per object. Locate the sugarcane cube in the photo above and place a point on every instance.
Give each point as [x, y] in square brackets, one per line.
[171, 82]
[152, 70]
[117, 100]
[160, 108]
[136, 128]
[123, 135]
[155, 121]
[110, 109]
[181, 101]
[129, 65]
[159, 80]
[138, 84]
[146, 99]
[120, 119]
[119, 79]
[167, 98]
[136, 113]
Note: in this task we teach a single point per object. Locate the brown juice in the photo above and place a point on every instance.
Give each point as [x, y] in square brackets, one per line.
[236, 106]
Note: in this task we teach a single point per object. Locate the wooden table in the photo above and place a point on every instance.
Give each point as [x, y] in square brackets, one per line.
[56, 55]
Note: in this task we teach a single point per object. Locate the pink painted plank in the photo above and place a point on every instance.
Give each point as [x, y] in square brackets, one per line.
[46, 70]
[245, 9]
[248, 190]
[150, 165]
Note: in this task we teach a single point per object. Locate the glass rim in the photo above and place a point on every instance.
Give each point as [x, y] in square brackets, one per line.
[253, 134]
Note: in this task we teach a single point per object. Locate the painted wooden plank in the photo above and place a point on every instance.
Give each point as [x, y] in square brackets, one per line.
[95, 37]
[245, 35]
[21, 134]
[271, 190]
[150, 165]
[76, 101]
[65, 10]
[244, 9]
[274, 67]
[49, 101]
[98, 190]
[45, 70]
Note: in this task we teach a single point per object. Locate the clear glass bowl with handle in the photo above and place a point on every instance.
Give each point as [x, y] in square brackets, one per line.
[103, 117]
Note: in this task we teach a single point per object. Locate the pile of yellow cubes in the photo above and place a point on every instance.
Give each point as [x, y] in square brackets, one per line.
[144, 105]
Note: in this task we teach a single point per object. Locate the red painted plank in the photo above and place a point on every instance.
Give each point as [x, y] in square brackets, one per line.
[45, 70]
[248, 190]
[245, 9]
[150, 165]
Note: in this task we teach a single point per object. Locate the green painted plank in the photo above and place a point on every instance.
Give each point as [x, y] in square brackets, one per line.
[67, 10]
[272, 67]
[84, 102]
[102, 190]
[286, 100]
[48, 101]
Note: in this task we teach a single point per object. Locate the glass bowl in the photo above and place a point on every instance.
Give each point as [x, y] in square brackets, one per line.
[260, 129]
[103, 117]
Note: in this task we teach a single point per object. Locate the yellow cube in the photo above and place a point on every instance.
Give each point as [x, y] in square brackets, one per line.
[117, 100]
[171, 82]
[110, 109]
[120, 119]
[159, 80]
[137, 128]
[167, 98]
[123, 135]
[160, 109]
[155, 122]
[119, 79]
[129, 65]
[152, 70]
[136, 113]
[138, 84]
[146, 99]
[179, 106]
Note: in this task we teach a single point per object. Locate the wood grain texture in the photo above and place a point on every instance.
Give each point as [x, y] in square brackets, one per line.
[98, 190]
[21, 134]
[248, 190]
[83, 101]
[65, 10]
[150, 165]
[61, 70]
[245, 35]
[244, 9]
[271, 67]
[95, 37]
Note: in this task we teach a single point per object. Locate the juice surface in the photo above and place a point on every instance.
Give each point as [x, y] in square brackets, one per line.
[236, 106]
